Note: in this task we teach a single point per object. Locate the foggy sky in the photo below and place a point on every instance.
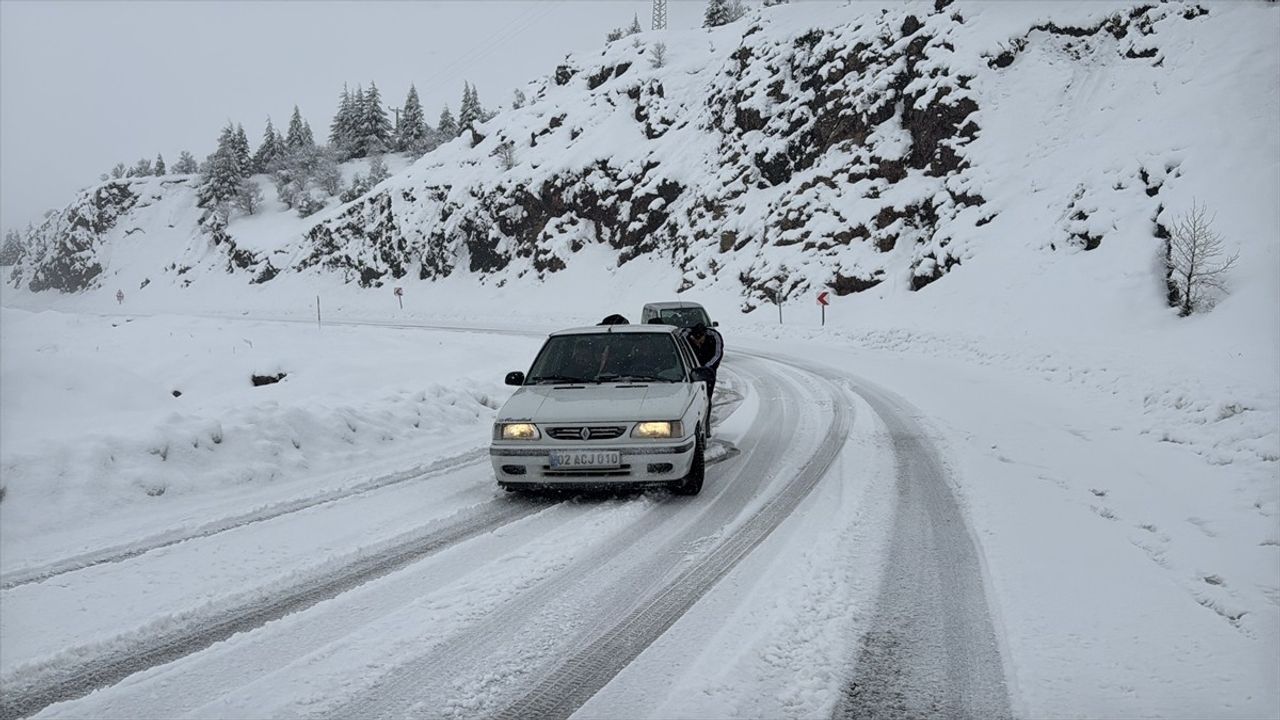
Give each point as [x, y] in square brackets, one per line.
[84, 85]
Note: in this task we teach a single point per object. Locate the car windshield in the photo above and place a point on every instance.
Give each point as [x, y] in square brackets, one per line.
[685, 317]
[608, 357]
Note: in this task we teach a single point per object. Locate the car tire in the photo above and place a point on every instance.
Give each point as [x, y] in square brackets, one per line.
[691, 484]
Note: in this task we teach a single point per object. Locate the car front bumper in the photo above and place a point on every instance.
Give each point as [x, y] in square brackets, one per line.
[528, 464]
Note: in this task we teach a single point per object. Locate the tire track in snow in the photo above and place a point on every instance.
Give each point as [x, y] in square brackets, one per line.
[581, 675]
[680, 528]
[125, 551]
[31, 689]
[931, 650]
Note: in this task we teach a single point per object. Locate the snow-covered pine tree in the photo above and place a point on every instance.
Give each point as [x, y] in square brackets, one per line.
[159, 166]
[298, 132]
[736, 10]
[118, 171]
[13, 249]
[470, 112]
[412, 134]
[716, 14]
[221, 181]
[614, 34]
[186, 164]
[634, 27]
[375, 128]
[244, 156]
[340, 128]
[447, 127]
[269, 151]
[518, 99]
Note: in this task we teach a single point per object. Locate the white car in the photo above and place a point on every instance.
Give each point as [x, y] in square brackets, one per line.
[610, 405]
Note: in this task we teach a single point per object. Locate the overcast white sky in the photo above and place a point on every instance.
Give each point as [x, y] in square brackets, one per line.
[84, 85]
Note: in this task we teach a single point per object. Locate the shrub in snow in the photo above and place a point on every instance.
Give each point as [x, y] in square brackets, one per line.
[658, 55]
[1197, 262]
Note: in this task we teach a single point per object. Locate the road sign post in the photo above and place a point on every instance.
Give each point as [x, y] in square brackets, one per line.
[823, 302]
[400, 296]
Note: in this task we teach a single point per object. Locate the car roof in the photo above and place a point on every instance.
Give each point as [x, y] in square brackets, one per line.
[672, 305]
[606, 329]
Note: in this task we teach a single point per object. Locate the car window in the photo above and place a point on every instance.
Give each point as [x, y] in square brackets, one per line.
[604, 357]
[685, 317]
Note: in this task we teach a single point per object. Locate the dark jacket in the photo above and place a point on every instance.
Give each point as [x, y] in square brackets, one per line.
[710, 352]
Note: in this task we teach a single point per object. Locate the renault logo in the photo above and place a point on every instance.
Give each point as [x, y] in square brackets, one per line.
[585, 434]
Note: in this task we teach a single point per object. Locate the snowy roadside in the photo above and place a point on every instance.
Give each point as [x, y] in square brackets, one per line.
[1126, 508]
[116, 427]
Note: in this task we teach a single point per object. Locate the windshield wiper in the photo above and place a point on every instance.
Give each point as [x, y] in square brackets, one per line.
[559, 379]
[613, 378]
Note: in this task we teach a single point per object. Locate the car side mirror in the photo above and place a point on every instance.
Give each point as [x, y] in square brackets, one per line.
[515, 378]
[715, 324]
[702, 374]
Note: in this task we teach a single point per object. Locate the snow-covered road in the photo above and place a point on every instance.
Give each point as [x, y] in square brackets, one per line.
[426, 592]
[895, 523]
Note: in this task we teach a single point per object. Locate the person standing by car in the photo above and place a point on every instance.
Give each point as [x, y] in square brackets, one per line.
[708, 350]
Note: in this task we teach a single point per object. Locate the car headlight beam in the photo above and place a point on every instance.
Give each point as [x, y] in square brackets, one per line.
[518, 431]
[658, 430]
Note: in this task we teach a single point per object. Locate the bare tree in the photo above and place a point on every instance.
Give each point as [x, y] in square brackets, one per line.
[658, 55]
[506, 153]
[248, 196]
[1197, 261]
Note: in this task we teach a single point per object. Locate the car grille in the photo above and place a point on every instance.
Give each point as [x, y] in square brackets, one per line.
[607, 432]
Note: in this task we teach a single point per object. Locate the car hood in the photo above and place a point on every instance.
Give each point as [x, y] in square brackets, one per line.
[597, 403]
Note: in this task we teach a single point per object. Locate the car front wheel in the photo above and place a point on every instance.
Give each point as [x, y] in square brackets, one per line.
[691, 484]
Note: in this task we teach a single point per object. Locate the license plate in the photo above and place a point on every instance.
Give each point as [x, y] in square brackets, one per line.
[585, 459]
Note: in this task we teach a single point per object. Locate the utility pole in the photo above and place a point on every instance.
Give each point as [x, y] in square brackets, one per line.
[659, 14]
[395, 110]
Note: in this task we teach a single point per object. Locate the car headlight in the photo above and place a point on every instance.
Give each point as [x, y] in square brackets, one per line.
[518, 431]
[663, 429]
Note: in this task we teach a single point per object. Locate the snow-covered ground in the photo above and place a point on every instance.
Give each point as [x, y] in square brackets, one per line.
[1122, 485]
[1118, 466]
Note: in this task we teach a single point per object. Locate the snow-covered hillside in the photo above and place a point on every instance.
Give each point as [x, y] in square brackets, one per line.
[844, 148]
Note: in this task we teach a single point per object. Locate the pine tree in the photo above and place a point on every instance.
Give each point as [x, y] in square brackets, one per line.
[736, 10]
[221, 181]
[635, 25]
[470, 112]
[412, 135]
[518, 99]
[13, 249]
[243, 157]
[340, 128]
[118, 171]
[299, 133]
[375, 128]
[717, 13]
[159, 167]
[270, 151]
[186, 164]
[447, 127]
